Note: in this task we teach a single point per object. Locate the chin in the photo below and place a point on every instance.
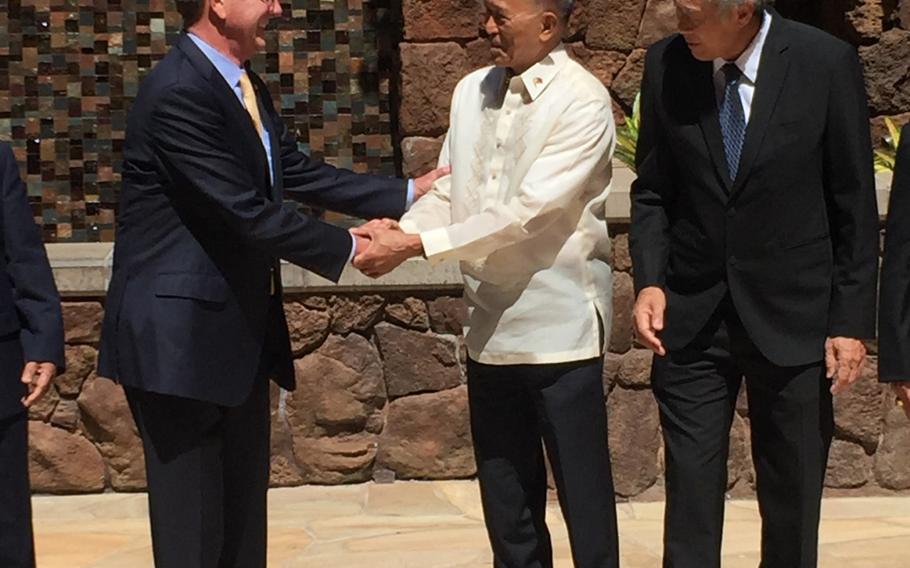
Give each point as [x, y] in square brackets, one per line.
[700, 53]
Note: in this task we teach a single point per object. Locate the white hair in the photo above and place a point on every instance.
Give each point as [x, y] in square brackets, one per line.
[563, 7]
[759, 5]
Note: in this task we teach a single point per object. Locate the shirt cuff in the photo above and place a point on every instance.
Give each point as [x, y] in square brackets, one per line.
[410, 198]
[353, 248]
[436, 242]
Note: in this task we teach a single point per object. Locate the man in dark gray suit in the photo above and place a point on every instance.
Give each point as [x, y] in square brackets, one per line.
[754, 241]
[894, 313]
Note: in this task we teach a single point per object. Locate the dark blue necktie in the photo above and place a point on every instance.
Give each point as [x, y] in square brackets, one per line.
[732, 118]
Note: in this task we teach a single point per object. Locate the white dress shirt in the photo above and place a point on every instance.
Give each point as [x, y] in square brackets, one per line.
[748, 63]
[523, 211]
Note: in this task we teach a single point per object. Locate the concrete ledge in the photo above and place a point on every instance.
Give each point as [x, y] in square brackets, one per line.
[413, 274]
[83, 269]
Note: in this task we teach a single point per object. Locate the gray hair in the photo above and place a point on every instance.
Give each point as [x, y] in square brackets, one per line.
[563, 8]
[759, 5]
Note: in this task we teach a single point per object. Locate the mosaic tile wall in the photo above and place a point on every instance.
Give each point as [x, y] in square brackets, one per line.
[69, 70]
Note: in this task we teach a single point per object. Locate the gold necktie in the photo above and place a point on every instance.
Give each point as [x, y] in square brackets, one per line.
[249, 99]
[252, 107]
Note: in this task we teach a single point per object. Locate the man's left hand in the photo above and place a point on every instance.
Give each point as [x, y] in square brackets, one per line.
[388, 249]
[844, 358]
[424, 183]
[38, 377]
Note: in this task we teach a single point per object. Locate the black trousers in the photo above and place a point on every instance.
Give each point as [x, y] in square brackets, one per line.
[513, 408]
[791, 419]
[17, 549]
[208, 475]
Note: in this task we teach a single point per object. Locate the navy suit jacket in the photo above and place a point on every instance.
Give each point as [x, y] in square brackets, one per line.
[200, 227]
[894, 312]
[31, 326]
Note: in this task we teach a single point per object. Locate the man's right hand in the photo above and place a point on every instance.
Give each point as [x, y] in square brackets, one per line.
[361, 243]
[648, 315]
[38, 376]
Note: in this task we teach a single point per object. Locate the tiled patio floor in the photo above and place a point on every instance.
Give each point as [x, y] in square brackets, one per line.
[439, 525]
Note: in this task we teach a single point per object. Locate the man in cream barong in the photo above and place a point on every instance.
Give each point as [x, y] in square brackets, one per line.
[530, 144]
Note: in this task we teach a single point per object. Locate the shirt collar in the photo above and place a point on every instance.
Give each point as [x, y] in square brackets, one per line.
[751, 57]
[227, 68]
[538, 76]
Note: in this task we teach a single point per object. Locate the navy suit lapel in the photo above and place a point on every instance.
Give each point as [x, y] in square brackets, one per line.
[772, 74]
[237, 115]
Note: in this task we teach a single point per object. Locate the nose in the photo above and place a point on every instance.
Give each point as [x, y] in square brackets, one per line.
[275, 8]
[489, 27]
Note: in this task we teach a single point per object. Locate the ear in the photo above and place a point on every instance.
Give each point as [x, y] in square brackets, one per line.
[744, 14]
[549, 26]
[218, 8]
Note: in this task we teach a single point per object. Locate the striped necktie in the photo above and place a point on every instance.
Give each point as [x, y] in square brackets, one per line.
[732, 118]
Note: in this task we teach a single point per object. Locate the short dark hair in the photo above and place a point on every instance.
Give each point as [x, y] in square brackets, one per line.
[191, 10]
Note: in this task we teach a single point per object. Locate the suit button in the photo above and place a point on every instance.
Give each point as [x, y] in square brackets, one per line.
[731, 212]
[732, 261]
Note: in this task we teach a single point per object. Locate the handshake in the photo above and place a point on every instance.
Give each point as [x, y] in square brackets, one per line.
[381, 245]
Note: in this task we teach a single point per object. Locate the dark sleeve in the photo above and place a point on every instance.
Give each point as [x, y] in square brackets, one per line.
[186, 130]
[852, 211]
[894, 314]
[34, 291]
[318, 184]
[651, 192]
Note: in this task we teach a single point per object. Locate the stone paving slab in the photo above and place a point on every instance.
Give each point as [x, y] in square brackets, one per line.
[439, 525]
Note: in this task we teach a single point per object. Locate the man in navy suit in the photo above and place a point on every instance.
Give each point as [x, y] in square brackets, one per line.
[31, 353]
[194, 324]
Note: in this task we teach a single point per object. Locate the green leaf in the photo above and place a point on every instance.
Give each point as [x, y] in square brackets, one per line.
[627, 136]
[894, 135]
[884, 161]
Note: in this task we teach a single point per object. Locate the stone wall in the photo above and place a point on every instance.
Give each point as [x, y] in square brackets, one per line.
[441, 44]
[382, 376]
[381, 392]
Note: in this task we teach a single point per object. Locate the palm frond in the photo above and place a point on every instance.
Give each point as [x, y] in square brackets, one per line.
[627, 136]
[887, 155]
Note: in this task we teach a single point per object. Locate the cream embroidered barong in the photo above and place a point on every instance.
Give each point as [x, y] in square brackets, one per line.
[523, 211]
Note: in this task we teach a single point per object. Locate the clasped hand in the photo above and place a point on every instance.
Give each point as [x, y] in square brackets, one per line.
[382, 246]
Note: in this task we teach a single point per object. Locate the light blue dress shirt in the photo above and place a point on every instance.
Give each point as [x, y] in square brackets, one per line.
[232, 73]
